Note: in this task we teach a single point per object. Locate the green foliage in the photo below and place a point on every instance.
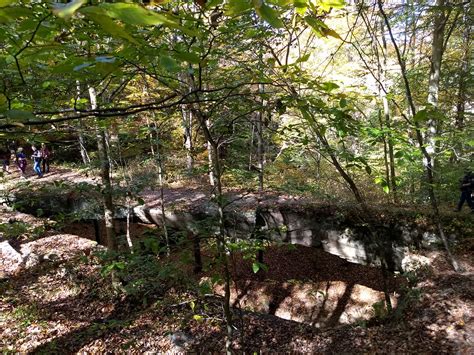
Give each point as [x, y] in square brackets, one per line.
[27, 314]
[141, 276]
[21, 231]
[380, 310]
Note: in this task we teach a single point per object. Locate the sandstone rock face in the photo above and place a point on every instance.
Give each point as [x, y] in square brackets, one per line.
[318, 227]
[339, 230]
[10, 259]
[54, 248]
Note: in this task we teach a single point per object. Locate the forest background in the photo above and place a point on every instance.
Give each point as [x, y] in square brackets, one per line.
[310, 97]
[367, 103]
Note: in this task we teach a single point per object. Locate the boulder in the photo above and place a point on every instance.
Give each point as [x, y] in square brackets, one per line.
[10, 260]
[54, 248]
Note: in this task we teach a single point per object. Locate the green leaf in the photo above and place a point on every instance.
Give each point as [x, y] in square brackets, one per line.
[19, 115]
[327, 4]
[269, 14]
[4, 3]
[317, 25]
[198, 317]
[188, 57]
[213, 3]
[236, 7]
[168, 63]
[280, 3]
[379, 180]
[399, 154]
[255, 267]
[328, 86]
[108, 25]
[67, 10]
[386, 189]
[205, 288]
[421, 116]
[320, 28]
[300, 3]
[332, 33]
[8, 14]
[303, 58]
[134, 14]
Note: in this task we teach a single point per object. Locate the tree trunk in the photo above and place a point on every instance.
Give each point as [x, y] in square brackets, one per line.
[80, 136]
[216, 169]
[187, 119]
[210, 156]
[385, 150]
[159, 159]
[335, 162]
[82, 146]
[386, 114]
[260, 141]
[106, 182]
[464, 70]
[434, 78]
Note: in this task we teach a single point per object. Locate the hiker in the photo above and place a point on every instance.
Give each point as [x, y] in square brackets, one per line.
[21, 162]
[37, 161]
[466, 184]
[45, 153]
[6, 162]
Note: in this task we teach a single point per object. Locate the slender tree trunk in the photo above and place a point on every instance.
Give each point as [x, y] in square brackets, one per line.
[464, 70]
[385, 150]
[108, 147]
[210, 156]
[106, 182]
[150, 137]
[335, 162]
[386, 114]
[82, 146]
[252, 134]
[216, 168]
[128, 199]
[434, 78]
[187, 118]
[260, 140]
[159, 159]
[222, 245]
[129, 215]
[80, 135]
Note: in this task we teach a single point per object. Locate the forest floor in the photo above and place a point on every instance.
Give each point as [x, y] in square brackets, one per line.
[64, 303]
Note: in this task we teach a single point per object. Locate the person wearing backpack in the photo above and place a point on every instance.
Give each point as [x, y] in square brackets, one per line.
[46, 154]
[6, 162]
[37, 161]
[466, 185]
[21, 162]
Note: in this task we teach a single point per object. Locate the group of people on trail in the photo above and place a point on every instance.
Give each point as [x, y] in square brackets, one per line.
[40, 157]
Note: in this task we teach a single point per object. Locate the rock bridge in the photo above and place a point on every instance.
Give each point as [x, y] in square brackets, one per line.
[389, 234]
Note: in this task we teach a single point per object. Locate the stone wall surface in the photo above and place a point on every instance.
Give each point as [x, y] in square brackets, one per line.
[386, 235]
